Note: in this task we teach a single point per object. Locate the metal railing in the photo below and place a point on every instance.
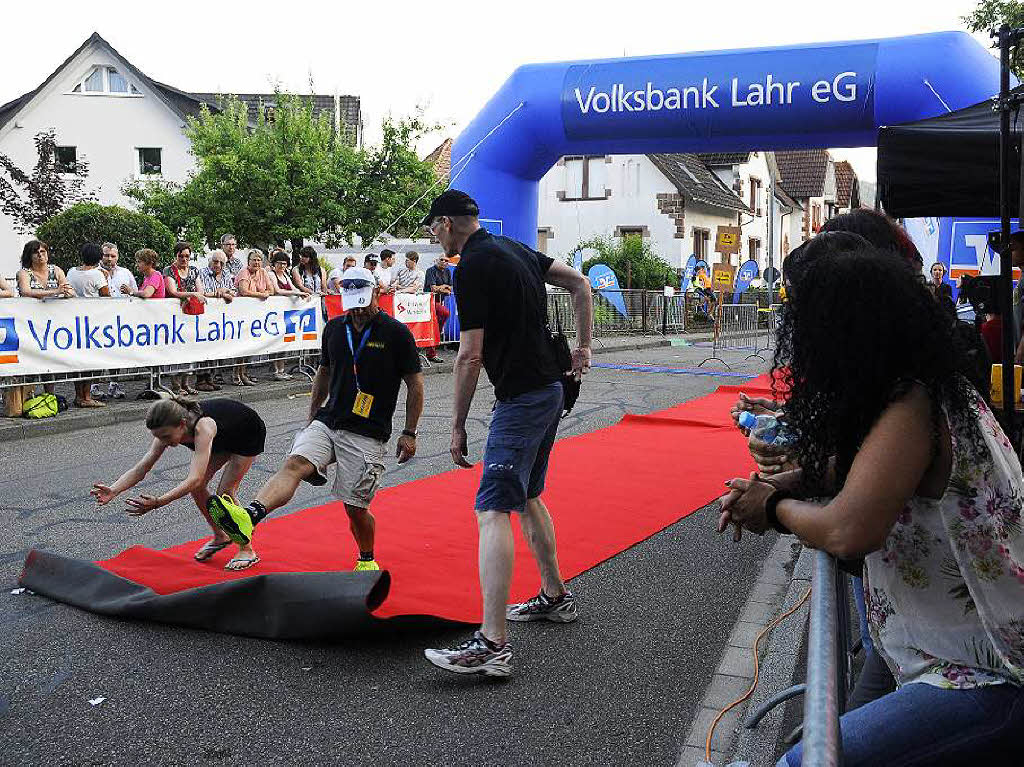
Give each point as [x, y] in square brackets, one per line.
[827, 658]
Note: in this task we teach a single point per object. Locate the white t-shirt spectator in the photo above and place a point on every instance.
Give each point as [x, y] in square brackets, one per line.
[119, 277]
[334, 280]
[383, 275]
[87, 282]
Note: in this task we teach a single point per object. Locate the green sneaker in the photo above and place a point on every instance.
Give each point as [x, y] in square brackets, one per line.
[231, 518]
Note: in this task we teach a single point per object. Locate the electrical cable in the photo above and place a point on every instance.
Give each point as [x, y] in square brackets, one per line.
[463, 161]
[757, 667]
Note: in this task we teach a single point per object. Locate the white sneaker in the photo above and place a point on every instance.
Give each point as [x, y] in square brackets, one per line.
[477, 655]
[544, 608]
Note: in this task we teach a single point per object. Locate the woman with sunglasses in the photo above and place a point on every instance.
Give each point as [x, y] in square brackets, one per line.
[283, 286]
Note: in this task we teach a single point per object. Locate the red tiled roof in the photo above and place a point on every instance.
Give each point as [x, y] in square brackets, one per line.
[846, 184]
[441, 158]
[803, 172]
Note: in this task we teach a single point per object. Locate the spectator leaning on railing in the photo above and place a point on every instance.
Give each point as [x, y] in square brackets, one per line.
[924, 485]
[217, 282]
[89, 281]
[334, 281]
[252, 282]
[386, 271]
[229, 244]
[117, 276]
[152, 285]
[410, 278]
[283, 286]
[181, 281]
[38, 278]
[308, 274]
[438, 280]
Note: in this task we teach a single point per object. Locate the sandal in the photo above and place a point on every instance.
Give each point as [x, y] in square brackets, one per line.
[210, 548]
[241, 562]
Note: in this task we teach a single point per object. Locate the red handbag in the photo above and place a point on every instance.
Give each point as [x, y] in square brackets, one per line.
[190, 305]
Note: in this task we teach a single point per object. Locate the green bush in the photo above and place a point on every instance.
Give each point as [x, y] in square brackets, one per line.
[86, 222]
[645, 268]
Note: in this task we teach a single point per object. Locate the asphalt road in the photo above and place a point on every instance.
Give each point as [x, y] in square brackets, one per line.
[620, 686]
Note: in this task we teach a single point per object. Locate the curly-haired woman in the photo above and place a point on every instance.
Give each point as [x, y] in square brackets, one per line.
[923, 484]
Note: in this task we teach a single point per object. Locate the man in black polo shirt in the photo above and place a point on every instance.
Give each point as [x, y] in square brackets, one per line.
[438, 282]
[365, 357]
[502, 302]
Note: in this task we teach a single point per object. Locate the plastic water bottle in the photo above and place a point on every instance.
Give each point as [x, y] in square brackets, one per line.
[766, 428]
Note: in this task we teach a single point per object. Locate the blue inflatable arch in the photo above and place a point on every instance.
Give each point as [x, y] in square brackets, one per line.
[825, 95]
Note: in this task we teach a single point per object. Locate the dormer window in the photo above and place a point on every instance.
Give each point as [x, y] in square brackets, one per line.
[104, 80]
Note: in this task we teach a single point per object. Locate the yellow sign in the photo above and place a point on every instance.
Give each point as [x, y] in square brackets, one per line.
[722, 276]
[728, 240]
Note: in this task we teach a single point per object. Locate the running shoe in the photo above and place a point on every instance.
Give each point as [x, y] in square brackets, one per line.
[115, 390]
[231, 518]
[477, 655]
[544, 608]
[96, 392]
[366, 564]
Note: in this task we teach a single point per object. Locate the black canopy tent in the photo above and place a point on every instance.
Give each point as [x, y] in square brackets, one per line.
[964, 163]
[947, 165]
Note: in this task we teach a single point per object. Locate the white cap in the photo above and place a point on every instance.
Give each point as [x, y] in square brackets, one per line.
[357, 285]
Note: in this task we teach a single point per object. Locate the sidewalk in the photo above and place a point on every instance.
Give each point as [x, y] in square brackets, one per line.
[129, 409]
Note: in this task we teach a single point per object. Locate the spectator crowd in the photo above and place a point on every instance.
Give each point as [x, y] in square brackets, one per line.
[101, 274]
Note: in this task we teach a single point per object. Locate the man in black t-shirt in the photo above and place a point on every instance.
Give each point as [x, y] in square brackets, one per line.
[365, 357]
[438, 282]
[502, 302]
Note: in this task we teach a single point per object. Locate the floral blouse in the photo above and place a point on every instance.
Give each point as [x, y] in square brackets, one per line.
[945, 595]
[51, 279]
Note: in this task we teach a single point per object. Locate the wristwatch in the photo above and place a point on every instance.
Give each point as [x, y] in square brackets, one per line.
[409, 433]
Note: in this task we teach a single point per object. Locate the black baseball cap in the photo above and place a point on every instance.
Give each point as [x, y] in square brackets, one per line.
[451, 202]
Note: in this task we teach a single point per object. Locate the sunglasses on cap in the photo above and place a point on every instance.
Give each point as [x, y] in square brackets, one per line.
[355, 284]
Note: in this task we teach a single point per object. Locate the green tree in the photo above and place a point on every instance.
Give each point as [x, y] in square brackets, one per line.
[289, 177]
[33, 198]
[992, 14]
[86, 222]
[633, 260]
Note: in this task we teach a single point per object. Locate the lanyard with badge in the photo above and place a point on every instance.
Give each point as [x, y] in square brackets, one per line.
[361, 407]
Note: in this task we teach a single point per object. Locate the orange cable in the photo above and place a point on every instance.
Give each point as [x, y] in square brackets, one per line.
[757, 666]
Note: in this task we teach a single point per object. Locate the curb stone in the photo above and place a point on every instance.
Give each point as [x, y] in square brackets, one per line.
[773, 591]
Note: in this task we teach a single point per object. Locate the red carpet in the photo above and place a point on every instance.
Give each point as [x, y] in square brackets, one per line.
[607, 491]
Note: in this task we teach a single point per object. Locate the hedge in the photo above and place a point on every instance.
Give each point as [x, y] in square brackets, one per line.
[86, 222]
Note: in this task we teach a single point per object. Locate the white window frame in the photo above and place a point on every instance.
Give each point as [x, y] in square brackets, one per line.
[133, 90]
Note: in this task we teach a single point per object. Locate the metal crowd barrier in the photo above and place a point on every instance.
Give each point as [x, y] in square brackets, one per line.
[736, 328]
[827, 669]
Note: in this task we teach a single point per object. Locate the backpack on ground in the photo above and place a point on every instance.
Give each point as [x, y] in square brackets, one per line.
[42, 406]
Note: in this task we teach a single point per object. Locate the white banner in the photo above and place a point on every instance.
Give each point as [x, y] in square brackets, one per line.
[412, 307]
[79, 334]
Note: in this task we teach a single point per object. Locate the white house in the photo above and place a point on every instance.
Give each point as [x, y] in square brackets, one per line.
[809, 177]
[674, 200]
[752, 176]
[678, 201]
[126, 125]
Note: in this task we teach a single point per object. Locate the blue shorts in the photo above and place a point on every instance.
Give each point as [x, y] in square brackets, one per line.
[522, 432]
